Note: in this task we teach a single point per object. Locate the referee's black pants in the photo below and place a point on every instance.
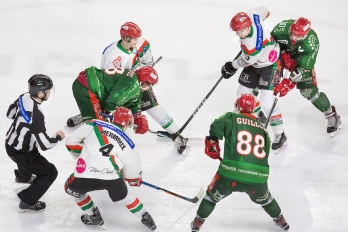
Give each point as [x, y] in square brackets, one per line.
[33, 163]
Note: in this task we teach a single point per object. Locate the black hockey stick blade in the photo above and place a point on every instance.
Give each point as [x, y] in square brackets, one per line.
[193, 200]
[156, 61]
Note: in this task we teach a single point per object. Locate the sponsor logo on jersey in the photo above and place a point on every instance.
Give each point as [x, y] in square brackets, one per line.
[80, 165]
[244, 77]
[117, 61]
[262, 82]
[272, 56]
[114, 137]
[259, 32]
[104, 171]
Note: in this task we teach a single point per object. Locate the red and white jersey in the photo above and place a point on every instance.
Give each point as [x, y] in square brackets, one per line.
[259, 48]
[103, 151]
[115, 55]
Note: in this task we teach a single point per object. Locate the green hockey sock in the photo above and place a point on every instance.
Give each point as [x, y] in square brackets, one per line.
[322, 103]
[272, 209]
[205, 208]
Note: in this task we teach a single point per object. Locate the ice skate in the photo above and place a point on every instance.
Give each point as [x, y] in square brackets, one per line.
[181, 145]
[197, 223]
[95, 219]
[279, 143]
[334, 124]
[281, 222]
[148, 221]
[38, 206]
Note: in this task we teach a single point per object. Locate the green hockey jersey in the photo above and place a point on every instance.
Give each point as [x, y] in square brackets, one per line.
[246, 148]
[304, 52]
[114, 87]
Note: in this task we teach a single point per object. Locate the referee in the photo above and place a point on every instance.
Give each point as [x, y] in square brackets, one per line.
[28, 133]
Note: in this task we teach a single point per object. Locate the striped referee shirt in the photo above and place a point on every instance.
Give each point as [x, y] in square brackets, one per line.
[28, 131]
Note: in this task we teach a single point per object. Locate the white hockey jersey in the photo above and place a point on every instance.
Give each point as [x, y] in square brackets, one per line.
[259, 48]
[115, 55]
[103, 151]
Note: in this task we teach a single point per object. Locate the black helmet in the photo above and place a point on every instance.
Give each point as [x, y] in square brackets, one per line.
[39, 82]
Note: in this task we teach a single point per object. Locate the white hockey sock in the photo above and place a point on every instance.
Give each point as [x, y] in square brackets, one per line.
[159, 114]
[134, 204]
[276, 121]
[85, 203]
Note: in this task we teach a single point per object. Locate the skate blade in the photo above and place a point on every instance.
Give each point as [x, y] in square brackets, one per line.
[29, 210]
[187, 150]
[332, 134]
[281, 148]
[102, 227]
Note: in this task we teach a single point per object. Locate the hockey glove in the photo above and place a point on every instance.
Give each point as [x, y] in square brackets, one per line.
[212, 149]
[135, 182]
[284, 87]
[141, 122]
[228, 70]
[289, 63]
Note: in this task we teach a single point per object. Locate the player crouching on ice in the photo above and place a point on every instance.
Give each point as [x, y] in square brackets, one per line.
[106, 157]
[244, 167]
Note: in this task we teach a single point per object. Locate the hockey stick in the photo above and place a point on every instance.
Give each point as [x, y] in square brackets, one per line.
[174, 136]
[193, 200]
[270, 113]
[156, 61]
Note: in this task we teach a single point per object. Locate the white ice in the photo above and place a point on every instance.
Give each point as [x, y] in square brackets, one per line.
[60, 38]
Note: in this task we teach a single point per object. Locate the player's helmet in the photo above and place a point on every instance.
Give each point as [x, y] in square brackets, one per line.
[240, 21]
[39, 82]
[122, 116]
[246, 103]
[131, 30]
[147, 73]
[300, 27]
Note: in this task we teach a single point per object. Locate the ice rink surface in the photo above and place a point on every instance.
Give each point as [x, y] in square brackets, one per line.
[60, 38]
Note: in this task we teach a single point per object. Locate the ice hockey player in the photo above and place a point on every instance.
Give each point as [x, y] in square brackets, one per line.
[133, 51]
[244, 167]
[106, 158]
[24, 138]
[299, 45]
[96, 91]
[261, 65]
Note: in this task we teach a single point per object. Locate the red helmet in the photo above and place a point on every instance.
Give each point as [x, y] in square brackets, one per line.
[300, 27]
[240, 21]
[122, 116]
[131, 30]
[147, 73]
[246, 103]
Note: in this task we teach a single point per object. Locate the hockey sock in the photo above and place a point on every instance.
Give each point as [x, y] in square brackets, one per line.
[318, 99]
[136, 207]
[272, 209]
[276, 121]
[85, 203]
[163, 118]
[322, 103]
[205, 208]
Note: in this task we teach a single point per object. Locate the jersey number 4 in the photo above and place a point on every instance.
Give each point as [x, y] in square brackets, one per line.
[106, 149]
[245, 145]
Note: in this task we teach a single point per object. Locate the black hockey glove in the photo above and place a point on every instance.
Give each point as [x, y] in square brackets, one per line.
[228, 70]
